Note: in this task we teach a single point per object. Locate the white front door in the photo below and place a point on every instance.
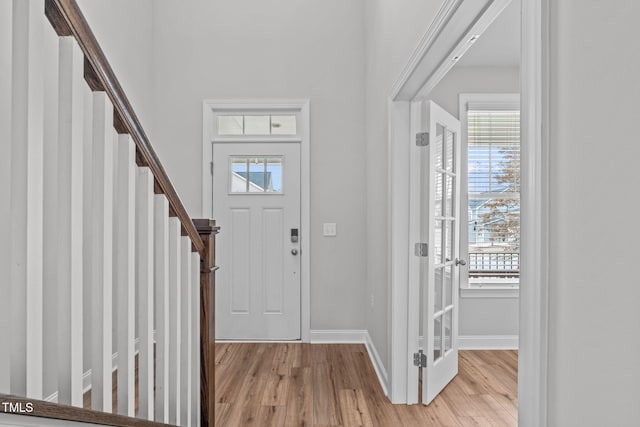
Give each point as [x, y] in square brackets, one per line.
[439, 228]
[256, 201]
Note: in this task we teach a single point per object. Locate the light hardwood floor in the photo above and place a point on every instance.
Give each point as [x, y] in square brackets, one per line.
[335, 385]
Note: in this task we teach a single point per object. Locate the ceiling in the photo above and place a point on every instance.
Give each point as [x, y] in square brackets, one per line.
[499, 45]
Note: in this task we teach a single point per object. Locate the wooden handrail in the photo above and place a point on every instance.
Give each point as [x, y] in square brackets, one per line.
[208, 230]
[42, 409]
[68, 20]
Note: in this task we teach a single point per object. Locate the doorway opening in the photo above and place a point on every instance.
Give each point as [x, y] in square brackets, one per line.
[459, 30]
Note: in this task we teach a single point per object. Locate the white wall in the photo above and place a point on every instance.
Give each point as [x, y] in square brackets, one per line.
[594, 325]
[480, 316]
[124, 30]
[276, 49]
[393, 30]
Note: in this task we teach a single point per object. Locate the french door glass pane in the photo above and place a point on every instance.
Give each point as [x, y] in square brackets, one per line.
[448, 285]
[448, 203]
[448, 330]
[439, 155]
[437, 236]
[448, 238]
[449, 144]
[437, 338]
[437, 294]
[439, 193]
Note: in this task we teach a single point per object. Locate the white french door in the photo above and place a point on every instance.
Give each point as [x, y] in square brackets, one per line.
[256, 201]
[439, 229]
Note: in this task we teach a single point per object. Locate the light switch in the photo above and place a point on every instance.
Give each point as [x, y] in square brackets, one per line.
[329, 229]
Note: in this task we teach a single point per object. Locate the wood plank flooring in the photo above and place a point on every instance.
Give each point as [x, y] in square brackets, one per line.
[293, 384]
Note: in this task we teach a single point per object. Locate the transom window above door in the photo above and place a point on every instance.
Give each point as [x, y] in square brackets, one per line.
[256, 125]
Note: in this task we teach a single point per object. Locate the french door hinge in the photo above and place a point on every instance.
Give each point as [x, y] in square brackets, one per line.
[420, 359]
[211, 166]
[421, 249]
[422, 139]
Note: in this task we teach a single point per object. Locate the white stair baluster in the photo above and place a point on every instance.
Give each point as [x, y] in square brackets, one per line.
[70, 219]
[125, 274]
[51, 231]
[25, 294]
[144, 283]
[5, 185]
[175, 341]
[102, 254]
[88, 229]
[161, 279]
[195, 340]
[185, 358]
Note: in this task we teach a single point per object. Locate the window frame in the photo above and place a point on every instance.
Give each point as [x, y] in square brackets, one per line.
[480, 101]
[232, 193]
[233, 110]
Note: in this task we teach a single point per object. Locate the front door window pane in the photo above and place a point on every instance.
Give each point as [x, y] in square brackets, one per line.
[256, 175]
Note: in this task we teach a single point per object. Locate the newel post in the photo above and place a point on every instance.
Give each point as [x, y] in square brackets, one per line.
[207, 230]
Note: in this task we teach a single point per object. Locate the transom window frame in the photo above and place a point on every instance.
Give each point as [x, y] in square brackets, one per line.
[221, 110]
[273, 121]
[488, 288]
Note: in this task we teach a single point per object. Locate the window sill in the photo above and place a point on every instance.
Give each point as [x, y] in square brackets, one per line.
[490, 292]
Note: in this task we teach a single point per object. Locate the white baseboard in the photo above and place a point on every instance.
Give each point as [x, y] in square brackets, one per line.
[383, 377]
[483, 342]
[86, 376]
[488, 342]
[338, 336]
[354, 336]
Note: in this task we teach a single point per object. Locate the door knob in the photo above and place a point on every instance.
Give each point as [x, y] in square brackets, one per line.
[294, 252]
[460, 262]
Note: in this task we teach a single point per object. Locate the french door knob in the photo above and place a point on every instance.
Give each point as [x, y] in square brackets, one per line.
[294, 252]
[460, 262]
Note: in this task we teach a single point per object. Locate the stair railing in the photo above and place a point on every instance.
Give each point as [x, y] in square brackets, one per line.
[102, 267]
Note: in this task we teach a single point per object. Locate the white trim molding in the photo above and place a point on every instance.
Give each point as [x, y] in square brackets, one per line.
[488, 292]
[301, 107]
[534, 229]
[355, 336]
[488, 342]
[338, 336]
[378, 366]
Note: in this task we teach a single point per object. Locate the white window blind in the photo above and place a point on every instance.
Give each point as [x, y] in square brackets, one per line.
[493, 135]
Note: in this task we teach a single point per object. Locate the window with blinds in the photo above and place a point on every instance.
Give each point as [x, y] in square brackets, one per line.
[493, 137]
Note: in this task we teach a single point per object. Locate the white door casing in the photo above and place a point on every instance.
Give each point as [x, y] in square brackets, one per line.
[440, 227]
[256, 195]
